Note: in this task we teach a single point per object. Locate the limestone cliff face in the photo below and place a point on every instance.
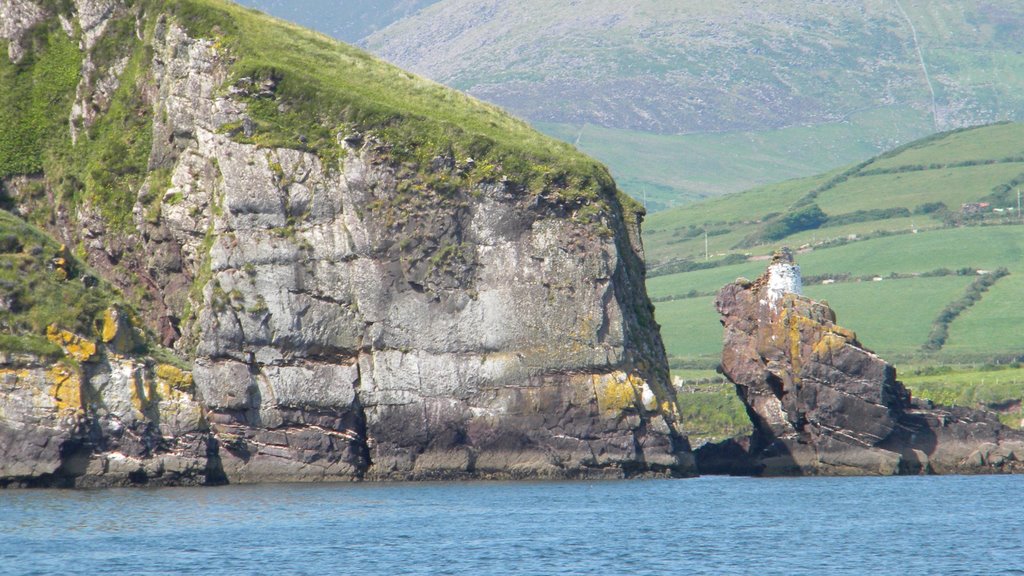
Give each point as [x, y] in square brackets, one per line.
[349, 319]
[821, 403]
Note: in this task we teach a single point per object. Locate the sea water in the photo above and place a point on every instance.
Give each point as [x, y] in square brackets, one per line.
[711, 525]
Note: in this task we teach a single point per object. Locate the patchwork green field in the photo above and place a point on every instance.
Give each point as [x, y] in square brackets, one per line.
[667, 170]
[903, 250]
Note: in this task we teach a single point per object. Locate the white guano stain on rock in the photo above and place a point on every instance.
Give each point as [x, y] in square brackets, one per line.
[783, 278]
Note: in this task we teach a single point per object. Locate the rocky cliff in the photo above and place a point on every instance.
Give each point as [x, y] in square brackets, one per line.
[372, 277]
[821, 403]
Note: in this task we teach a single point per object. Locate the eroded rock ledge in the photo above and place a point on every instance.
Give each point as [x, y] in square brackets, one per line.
[823, 404]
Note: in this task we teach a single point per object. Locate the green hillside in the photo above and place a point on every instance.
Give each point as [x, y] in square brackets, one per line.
[892, 249]
[685, 100]
[667, 170]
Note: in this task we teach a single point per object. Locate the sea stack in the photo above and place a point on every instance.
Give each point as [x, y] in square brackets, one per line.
[821, 403]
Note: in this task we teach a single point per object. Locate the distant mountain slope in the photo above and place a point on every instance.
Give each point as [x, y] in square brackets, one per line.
[346, 20]
[686, 66]
[895, 245]
[649, 80]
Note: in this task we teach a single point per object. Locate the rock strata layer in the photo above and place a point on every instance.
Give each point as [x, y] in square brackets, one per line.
[345, 318]
[821, 403]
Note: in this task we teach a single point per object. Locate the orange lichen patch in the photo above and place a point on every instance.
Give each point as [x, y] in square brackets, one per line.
[849, 335]
[74, 345]
[65, 388]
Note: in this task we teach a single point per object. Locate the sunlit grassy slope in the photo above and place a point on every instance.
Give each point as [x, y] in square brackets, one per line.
[894, 272]
[673, 170]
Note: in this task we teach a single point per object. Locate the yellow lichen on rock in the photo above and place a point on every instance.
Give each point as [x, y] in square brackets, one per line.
[829, 343]
[74, 345]
[65, 388]
[60, 263]
[619, 391]
[614, 392]
[109, 332]
[118, 332]
[171, 379]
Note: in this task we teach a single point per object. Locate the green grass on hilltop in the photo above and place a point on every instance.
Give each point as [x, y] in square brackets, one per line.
[326, 87]
[677, 169]
[990, 170]
[912, 189]
[678, 233]
[323, 88]
[996, 142]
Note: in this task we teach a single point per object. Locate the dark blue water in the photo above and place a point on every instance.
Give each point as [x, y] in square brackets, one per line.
[713, 525]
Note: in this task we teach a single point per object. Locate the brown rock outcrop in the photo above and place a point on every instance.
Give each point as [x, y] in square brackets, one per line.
[822, 403]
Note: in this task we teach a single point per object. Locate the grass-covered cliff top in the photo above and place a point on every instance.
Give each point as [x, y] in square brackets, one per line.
[321, 88]
[328, 87]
